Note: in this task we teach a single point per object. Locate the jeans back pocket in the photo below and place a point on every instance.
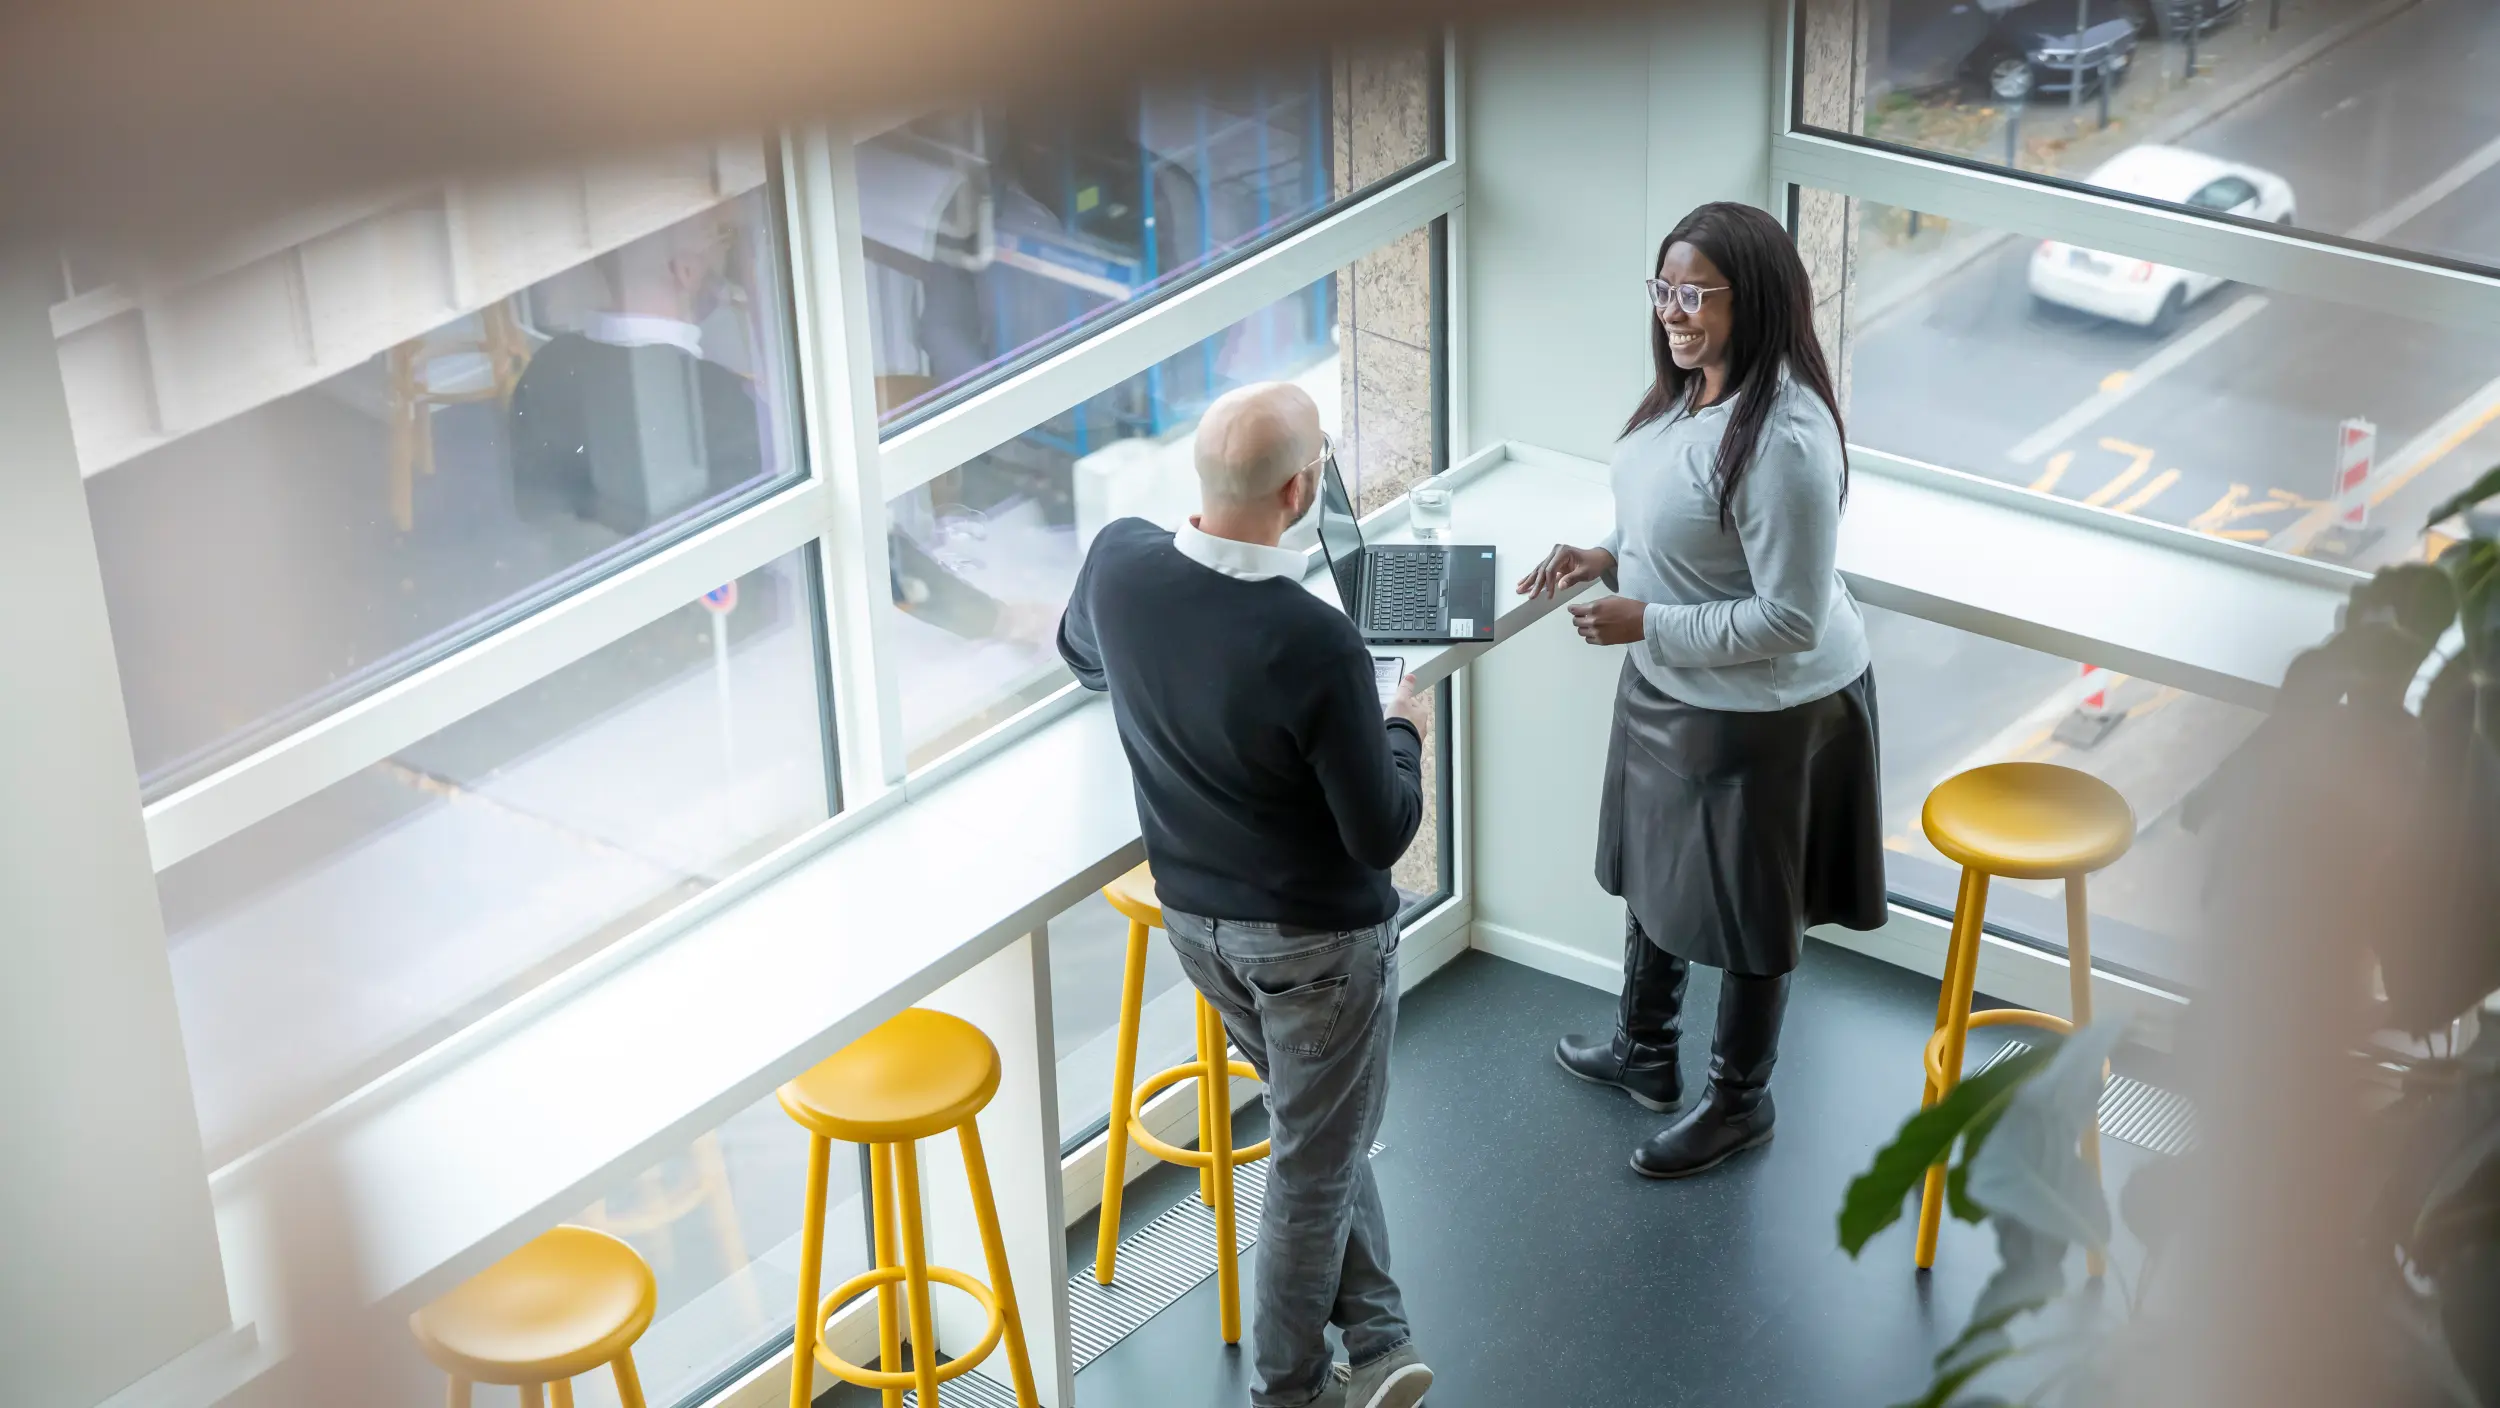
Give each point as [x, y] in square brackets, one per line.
[1300, 1020]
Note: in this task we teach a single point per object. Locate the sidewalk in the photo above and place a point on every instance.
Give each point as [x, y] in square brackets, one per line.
[2156, 103]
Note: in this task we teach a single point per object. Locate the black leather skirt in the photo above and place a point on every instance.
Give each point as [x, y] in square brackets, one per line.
[1730, 834]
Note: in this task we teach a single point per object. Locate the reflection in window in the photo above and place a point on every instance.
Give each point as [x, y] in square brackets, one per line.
[2152, 390]
[2303, 112]
[324, 945]
[383, 434]
[719, 1223]
[1952, 701]
[994, 231]
[985, 554]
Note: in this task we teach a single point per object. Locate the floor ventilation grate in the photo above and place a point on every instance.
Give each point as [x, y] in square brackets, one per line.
[2134, 1112]
[1159, 1263]
[974, 1390]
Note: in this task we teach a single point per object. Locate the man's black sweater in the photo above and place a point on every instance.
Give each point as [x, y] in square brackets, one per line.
[1267, 786]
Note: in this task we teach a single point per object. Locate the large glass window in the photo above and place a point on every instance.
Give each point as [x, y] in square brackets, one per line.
[984, 555]
[2373, 123]
[2155, 390]
[997, 232]
[1952, 701]
[333, 456]
[335, 939]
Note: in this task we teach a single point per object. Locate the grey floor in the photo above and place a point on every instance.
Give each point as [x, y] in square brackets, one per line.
[1539, 1269]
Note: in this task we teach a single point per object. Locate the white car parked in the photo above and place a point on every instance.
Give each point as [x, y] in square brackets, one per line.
[2139, 291]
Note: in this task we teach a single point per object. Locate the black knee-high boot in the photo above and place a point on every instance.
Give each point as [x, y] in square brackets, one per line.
[1639, 1058]
[1735, 1114]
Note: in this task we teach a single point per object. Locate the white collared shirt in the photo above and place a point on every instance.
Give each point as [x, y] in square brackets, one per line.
[644, 330]
[1251, 562]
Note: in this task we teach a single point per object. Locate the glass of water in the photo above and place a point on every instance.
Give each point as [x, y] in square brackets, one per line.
[1428, 510]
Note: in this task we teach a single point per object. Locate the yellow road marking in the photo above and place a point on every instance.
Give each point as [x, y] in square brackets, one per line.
[1897, 842]
[2464, 433]
[2221, 511]
[2116, 379]
[2143, 461]
[2244, 535]
[2435, 543]
[2135, 502]
[2291, 500]
[2056, 470]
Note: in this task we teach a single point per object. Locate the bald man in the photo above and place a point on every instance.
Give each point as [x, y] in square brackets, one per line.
[1274, 797]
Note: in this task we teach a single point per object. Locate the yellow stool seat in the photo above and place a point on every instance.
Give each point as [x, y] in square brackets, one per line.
[1133, 895]
[2024, 821]
[567, 1303]
[922, 1073]
[2029, 821]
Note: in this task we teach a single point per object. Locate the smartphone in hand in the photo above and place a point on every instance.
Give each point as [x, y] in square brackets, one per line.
[1387, 670]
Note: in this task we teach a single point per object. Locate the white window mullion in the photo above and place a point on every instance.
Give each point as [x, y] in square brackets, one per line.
[839, 378]
[993, 417]
[2267, 258]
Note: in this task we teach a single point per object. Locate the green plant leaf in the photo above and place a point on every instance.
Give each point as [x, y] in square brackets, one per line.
[2465, 498]
[2030, 1169]
[1940, 1392]
[1874, 1199]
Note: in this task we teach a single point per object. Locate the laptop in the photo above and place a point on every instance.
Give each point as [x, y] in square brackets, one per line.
[1404, 593]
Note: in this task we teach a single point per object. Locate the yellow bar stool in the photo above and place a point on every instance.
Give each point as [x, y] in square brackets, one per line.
[919, 1075]
[2023, 821]
[1133, 895]
[568, 1302]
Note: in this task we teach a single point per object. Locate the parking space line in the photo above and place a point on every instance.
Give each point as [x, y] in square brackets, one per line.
[2135, 502]
[2170, 358]
[2047, 482]
[2446, 184]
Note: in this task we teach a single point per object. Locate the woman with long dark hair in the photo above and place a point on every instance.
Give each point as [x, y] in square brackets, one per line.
[1739, 805]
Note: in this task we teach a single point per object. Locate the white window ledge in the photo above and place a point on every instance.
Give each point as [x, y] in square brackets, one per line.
[435, 1175]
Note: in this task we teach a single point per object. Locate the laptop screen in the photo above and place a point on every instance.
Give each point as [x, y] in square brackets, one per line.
[1340, 536]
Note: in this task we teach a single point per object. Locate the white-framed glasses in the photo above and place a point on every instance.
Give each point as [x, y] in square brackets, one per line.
[1664, 295]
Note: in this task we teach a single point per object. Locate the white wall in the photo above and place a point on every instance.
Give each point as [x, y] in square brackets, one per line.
[108, 1255]
[1587, 140]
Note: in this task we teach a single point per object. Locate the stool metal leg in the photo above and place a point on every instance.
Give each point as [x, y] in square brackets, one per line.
[888, 1253]
[1215, 1094]
[1207, 1101]
[628, 1382]
[2079, 994]
[994, 1249]
[562, 1392]
[924, 1345]
[1970, 911]
[460, 1395]
[1123, 1085]
[811, 1274]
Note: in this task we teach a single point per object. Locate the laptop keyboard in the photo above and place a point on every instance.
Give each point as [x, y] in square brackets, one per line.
[1406, 591]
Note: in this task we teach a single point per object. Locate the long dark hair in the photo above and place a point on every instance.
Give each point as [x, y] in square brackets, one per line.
[1772, 303]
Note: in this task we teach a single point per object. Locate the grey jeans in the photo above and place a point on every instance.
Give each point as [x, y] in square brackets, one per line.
[1314, 1014]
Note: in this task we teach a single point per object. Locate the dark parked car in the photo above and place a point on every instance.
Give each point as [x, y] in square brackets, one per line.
[2013, 49]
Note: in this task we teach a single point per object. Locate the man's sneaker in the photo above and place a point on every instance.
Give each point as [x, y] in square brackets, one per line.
[1397, 1379]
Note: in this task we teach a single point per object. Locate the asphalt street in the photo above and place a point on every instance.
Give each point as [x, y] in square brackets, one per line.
[2230, 423]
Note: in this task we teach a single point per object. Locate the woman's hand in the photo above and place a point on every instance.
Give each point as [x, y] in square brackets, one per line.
[1567, 569]
[1613, 620]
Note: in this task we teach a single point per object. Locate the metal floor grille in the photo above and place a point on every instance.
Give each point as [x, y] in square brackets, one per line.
[973, 1390]
[1160, 1263]
[2134, 1112]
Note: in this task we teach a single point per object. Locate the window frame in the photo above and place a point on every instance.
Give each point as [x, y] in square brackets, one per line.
[838, 509]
